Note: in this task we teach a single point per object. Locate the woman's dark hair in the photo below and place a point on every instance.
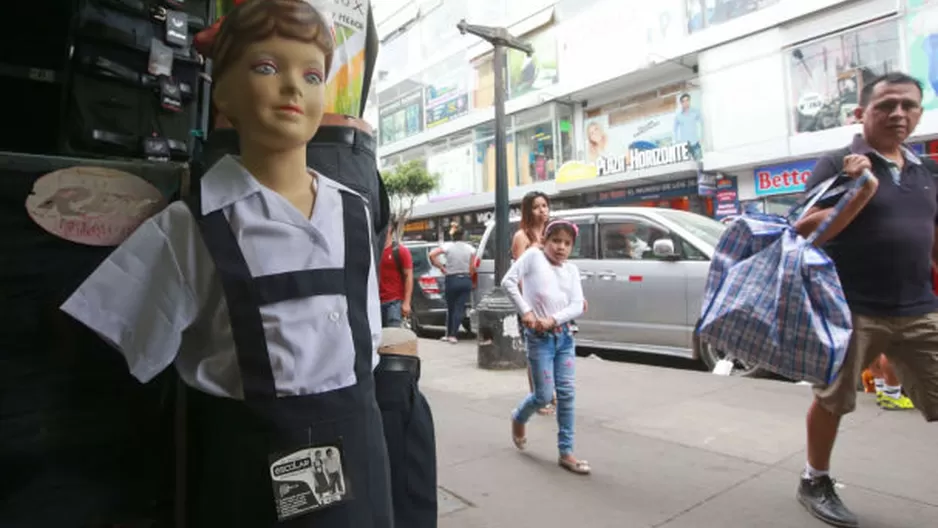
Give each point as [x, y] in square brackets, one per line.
[458, 234]
[258, 20]
[527, 214]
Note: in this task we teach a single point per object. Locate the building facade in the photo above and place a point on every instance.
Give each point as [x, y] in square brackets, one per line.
[711, 106]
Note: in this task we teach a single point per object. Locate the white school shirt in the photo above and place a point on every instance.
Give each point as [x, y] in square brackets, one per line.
[158, 300]
[549, 290]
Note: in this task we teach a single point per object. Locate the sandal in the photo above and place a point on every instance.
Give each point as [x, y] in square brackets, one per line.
[580, 467]
[519, 441]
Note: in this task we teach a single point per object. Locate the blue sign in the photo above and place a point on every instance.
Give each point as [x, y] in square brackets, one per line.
[785, 178]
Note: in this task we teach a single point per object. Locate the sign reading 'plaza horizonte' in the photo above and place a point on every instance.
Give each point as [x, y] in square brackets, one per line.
[643, 159]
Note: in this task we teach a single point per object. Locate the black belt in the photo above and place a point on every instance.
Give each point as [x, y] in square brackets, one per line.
[400, 363]
[345, 136]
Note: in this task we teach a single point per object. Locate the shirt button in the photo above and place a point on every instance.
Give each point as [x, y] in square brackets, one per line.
[334, 316]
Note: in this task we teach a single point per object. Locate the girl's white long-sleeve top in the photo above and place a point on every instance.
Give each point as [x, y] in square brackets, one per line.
[549, 290]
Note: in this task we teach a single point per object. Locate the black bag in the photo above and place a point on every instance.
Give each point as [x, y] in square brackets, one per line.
[117, 108]
[135, 23]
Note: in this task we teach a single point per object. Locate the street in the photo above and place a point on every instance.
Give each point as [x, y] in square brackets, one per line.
[668, 447]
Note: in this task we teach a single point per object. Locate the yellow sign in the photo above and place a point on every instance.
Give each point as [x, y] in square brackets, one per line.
[419, 225]
[576, 170]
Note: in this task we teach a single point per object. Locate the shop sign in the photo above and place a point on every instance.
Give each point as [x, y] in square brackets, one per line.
[668, 189]
[727, 199]
[419, 225]
[784, 178]
[95, 206]
[481, 217]
[637, 159]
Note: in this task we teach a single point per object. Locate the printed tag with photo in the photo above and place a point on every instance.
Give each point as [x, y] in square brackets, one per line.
[308, 479]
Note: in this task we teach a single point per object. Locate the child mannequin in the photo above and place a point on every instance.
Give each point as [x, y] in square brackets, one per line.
[257, 290]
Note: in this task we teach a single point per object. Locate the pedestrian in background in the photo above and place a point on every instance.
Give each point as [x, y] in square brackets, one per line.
[395, 281]
[883, 247]
[458, 268]
[552, 297]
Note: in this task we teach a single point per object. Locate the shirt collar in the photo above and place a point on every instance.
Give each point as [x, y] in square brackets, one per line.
[860, 146]
[225, 183]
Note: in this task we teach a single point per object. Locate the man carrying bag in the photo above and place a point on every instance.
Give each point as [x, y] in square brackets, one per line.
[883, 253]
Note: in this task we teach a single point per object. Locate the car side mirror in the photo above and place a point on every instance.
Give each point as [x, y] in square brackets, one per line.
[663, 248]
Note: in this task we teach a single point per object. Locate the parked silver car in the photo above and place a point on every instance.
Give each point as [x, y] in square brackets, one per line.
[643, 270]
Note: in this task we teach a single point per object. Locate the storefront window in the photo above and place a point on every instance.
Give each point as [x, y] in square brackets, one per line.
[446, 90]
[451, 160]
[485, 156]
[483, 93]
[668, 117]
[400, 112]
[702, 14]
[827, 76]
[539, 71]
[534, 145]
[565, 131]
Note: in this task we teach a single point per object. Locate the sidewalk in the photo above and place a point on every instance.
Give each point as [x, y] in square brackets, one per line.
[669, 448]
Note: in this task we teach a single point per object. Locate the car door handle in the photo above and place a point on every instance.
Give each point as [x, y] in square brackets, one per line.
[607, 275]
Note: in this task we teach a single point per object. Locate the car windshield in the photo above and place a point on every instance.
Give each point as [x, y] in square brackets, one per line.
[704, 228]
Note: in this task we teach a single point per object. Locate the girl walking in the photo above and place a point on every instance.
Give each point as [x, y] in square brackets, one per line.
[535, 212]
[552, 298]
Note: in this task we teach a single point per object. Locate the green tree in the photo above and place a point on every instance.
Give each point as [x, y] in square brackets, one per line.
[406, 183]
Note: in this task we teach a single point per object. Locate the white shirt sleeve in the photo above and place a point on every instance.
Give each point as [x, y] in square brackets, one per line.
[138, 299]
[512, 279]
[575, 308]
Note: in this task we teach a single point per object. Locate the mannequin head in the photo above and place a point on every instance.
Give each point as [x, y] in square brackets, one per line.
[270, 61]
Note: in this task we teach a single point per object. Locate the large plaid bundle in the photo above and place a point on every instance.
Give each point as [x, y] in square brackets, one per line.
[773, 299]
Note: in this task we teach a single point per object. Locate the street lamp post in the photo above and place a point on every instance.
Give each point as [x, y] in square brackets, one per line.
[500, 346]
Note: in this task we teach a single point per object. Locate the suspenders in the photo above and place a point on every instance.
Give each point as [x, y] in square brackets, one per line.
[245, 294]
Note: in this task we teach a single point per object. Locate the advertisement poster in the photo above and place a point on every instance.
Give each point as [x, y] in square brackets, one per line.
[401, 118]
[827, 76]
[346, 78]
[727, 199]
[922, 47]
[670, 119]
[527, 74]
[446, 98]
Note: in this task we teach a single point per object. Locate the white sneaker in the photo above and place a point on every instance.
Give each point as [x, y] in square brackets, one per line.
[444, 338]
[452, 340]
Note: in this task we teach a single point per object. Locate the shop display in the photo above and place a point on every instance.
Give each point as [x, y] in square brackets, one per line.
[135, 78]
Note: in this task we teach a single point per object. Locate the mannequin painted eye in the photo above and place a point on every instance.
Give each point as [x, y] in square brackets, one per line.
[264, 68]
[313, 77]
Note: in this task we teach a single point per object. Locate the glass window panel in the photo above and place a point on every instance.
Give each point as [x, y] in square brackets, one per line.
[827, 76]
[702, 14]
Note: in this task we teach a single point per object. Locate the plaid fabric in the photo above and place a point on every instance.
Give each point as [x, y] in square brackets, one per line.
[774, 300]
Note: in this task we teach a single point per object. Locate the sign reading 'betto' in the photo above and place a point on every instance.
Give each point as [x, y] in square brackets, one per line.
[784, 178]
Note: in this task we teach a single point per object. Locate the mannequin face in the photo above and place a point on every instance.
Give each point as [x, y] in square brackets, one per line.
[274, 93]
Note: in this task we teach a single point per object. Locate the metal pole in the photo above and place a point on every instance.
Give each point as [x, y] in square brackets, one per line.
[502, 246]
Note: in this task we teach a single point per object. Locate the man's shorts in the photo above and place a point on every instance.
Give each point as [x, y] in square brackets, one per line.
[910, 343]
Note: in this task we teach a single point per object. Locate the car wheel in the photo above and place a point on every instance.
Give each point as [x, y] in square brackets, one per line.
[711, 356]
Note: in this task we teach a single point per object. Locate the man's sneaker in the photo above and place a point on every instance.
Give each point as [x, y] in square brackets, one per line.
[888, 403]
[817, 495]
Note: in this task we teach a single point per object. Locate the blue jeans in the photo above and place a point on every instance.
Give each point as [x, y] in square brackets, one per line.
[391, 315]
[552, 357]
[458, 289]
